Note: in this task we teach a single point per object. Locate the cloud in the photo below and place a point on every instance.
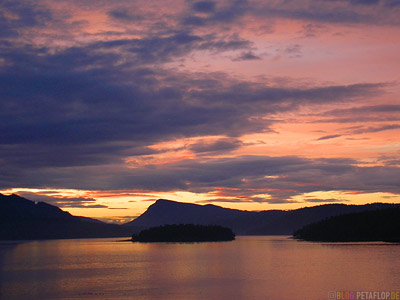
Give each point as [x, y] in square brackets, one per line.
[334, 12]
[208, 13]
[219, 146]
[117, 219]
[82, 97]
[16, 14]
[123, 14]
[280, 177]
[152, 49]
[247, 56]
[312, 29]
[83, 107]
[224, 200]
[118, 208]
[244, 177]
[221, 14]
[360, 2]
[204, 6]
[359, 114]
[368, 109]
[62, 202]
[293, 51]
[327, 137]
[330, 200]
[368, 129]
[391, 3]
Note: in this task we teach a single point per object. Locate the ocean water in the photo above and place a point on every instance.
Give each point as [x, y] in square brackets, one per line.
[250, 268]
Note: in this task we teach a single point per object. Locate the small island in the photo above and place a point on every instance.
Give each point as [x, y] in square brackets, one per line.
[184, 233]
[381, 225]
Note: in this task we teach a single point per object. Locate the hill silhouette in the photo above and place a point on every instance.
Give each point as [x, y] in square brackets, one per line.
[377, 225]
[23, 219]
[271, 222]
[184, 233]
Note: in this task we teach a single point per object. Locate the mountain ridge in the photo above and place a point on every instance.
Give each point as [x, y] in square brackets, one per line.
[23, 219]
[269, 222]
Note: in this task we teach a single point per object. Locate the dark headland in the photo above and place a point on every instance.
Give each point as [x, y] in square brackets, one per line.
[23, 219]
[367, 226]
[185, 233]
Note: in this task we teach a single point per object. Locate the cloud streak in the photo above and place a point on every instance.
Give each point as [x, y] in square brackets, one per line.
[62, 202]
[278, 178]
[328, 137]
[77, 109]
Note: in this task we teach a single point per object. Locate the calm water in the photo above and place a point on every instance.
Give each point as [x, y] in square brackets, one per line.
[249, 268]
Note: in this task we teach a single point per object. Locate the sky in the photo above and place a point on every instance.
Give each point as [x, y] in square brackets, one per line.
[107, 106]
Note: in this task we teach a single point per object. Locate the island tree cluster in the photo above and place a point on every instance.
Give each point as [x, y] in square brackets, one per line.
[185, 233]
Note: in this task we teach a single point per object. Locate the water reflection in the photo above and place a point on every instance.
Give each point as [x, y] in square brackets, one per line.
[248, 268]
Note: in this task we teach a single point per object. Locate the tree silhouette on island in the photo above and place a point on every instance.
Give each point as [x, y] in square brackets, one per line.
[185, 233]
[378, 225]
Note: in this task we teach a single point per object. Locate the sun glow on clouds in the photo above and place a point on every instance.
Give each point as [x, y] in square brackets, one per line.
[245, 104]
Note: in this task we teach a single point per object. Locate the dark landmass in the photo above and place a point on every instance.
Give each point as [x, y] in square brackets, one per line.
[22, 219]
[378, 225]
[271, 222]
[185, 233]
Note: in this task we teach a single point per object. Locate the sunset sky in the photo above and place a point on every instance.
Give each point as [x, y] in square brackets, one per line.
[107, 106]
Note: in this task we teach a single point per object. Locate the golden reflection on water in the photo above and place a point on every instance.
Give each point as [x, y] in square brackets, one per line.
[248, 268]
